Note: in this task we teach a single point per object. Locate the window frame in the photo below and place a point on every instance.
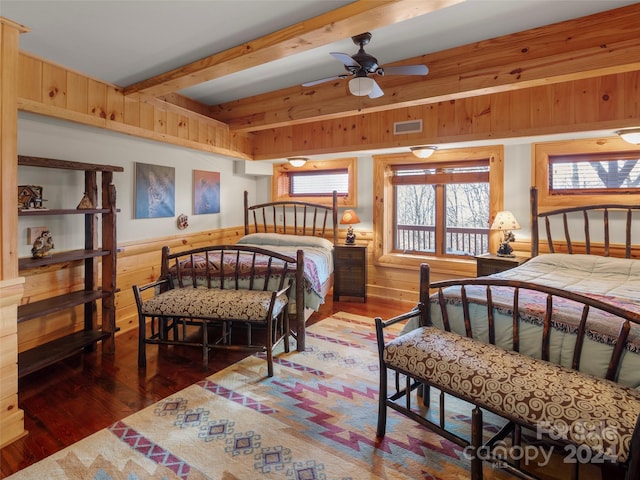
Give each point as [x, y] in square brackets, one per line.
[280, 191]
[541, 152]
[439, 180]
[384, 209]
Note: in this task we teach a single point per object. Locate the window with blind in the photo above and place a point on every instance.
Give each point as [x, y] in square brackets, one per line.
[609, 172]
[315, 181]
[318, 183]
[441, 209]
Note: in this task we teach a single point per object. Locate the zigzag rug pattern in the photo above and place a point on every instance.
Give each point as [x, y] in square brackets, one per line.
[315, 419]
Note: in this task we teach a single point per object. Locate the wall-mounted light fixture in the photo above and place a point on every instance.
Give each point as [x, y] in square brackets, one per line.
[631, 135]
[297, 161]
[424, 151]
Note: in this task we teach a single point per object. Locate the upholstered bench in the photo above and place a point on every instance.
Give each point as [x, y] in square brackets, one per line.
[210, 295]
[555, 402]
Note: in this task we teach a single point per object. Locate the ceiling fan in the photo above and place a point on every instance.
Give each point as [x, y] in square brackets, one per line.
[361, 65]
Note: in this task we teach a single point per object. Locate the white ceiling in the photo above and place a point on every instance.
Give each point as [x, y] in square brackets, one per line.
[126, 41]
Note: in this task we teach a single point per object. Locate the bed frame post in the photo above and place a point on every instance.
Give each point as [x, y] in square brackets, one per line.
[425, 281]
[335, 217]
[535, 235]
[301, 327]
[246, 212]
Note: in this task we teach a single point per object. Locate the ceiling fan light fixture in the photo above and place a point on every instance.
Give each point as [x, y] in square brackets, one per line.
[631, 135]
[423, 151]
[361, 86]
[297, 161]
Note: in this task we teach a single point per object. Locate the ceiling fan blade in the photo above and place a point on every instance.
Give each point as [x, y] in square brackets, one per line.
[345, 59]
[377, 91]
[406, 70]
[323, 80]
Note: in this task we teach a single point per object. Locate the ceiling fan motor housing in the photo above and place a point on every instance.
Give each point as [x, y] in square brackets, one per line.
[368, 63]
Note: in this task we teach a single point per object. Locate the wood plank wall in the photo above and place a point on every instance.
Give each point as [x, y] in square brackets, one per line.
[48, 89]
[609, 101]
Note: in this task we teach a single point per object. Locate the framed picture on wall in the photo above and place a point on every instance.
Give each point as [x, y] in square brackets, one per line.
[206, 192]
[155, 191]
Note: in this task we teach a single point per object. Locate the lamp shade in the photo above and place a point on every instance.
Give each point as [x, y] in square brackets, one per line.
[361, 86]
[349, 217]
[423, 152]
[505, 221]
[297, 161]
[631, 135]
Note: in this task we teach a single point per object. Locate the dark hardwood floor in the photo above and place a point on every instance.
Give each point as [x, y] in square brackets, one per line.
[69, 401]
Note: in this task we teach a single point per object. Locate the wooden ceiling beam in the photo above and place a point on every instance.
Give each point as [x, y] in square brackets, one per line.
[599, 44]
[344, 22]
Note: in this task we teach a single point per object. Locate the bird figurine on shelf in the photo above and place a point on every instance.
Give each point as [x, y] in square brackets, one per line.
[42, 245]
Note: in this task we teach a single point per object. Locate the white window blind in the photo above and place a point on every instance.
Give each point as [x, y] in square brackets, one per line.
[321, 183]
[610, 172]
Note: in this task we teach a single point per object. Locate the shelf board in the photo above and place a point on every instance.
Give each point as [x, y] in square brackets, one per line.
[66, 164]
[57, 304]
[26, 263]
[61, 211]
[49, 353]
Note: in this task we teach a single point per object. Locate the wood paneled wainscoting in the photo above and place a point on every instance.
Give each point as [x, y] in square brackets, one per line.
[401, 280]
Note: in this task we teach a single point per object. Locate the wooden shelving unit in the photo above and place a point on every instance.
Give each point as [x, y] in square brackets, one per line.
[95, 249]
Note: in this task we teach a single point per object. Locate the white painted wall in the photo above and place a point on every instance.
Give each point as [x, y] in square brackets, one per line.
[45, 137]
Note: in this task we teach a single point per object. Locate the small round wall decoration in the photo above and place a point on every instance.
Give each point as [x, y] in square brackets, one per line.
[183, 221]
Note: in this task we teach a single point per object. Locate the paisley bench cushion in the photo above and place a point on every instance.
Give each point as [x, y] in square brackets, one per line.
[564, 403]
[214, 303]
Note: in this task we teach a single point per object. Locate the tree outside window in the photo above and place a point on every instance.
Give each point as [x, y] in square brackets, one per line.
[572, 173]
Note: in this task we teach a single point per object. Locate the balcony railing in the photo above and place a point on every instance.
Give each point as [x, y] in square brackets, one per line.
[459, 240]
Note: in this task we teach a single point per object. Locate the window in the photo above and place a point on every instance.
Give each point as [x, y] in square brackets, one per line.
[584, 172]
[316, 181]
[443, 209]
[438, 210]
[616, 172]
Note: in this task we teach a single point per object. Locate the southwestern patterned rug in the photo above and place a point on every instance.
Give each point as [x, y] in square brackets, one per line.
[315, 419]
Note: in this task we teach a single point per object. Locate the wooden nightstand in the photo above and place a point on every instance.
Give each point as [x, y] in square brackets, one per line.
[490, 263]
[350, 271]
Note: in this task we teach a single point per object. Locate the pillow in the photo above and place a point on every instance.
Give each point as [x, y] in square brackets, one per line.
[281, 239]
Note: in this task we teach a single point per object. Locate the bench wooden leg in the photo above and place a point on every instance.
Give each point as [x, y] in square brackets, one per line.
[142, 333]
[285, 329]
[205, 345]
[382, 403]
[476, 443]
[269, 347]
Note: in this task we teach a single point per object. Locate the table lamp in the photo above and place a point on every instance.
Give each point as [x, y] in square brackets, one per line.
[505, 222]
[349, 217]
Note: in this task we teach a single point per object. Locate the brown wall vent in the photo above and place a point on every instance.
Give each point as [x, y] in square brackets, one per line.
[411, 126]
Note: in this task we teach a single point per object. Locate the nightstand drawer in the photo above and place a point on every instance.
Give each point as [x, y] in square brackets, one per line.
[488, 264]
[346, 254]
